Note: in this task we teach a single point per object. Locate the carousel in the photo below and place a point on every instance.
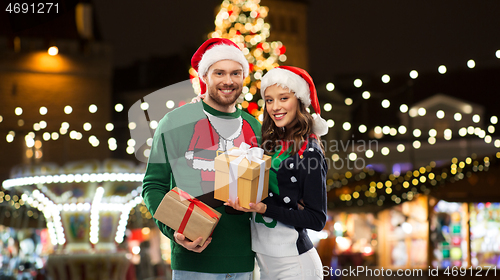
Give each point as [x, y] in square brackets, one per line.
[86, 206]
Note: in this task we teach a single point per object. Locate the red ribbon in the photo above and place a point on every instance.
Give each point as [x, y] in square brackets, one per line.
[194, 202]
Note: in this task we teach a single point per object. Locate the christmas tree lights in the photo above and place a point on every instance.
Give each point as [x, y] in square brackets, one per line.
[243, 23]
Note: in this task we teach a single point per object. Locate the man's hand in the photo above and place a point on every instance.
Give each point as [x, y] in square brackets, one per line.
[259, 207]
[191, 246]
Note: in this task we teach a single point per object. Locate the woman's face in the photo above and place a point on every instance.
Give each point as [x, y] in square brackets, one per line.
[281, 105]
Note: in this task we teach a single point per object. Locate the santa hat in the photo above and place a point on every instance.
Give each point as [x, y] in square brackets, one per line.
[214, 50]
[301, 83]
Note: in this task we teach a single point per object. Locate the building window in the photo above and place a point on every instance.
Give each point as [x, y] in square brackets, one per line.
[282, 23]
[294, 25]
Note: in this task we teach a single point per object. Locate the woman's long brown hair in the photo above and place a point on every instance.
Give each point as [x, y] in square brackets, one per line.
[273, 135]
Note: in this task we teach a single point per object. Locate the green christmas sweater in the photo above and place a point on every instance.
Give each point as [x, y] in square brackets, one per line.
[182, 154]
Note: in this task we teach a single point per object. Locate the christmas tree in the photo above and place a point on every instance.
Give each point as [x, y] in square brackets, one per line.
[243, 22]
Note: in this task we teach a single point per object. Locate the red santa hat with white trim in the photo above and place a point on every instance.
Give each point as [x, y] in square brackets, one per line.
[301, 83]
[214, 50]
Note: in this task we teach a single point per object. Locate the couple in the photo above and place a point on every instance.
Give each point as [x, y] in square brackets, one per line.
[186, 143]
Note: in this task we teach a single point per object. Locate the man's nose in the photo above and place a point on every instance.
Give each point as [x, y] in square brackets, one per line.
[228, 80]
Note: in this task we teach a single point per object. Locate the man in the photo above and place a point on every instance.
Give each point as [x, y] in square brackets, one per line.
[182, 154]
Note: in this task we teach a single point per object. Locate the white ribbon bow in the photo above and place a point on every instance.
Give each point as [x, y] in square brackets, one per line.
[251, 154]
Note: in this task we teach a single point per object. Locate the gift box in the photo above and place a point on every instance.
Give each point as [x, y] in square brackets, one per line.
[244, 173]
[187, 215]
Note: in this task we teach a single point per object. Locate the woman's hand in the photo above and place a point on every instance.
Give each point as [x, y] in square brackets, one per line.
[259, 207]
[198, 98]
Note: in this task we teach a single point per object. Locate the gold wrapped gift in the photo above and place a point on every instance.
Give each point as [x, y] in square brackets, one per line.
[235, 176]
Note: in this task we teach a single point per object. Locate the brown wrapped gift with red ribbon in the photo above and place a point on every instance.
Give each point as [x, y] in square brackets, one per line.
[187, 215]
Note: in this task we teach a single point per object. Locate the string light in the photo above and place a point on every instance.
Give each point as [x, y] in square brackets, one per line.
[18, 111]
[456, 169]
[471, 64]
[369, 154]
[442, 69]
[417, 133]
[109, 127]
[432, 132]
[422, 111]
[330, 86]
[53, 51]
[87, 126]
[68, 109]
[386, 103]
[413, 74]
[43, 110]
[118, 107]
[346, 126]
[62, 178]
[416, 144]
[153, 124]
[92, 108]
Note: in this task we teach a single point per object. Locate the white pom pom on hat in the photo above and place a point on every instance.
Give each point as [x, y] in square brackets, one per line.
[301, 83]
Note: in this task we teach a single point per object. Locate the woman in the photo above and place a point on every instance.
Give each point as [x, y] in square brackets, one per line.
[297, 181]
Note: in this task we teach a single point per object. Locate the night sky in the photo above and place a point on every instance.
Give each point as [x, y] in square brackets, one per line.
[349, 36]
[347, 39]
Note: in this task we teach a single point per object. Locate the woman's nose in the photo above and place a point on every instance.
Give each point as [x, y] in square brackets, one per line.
[276, 106]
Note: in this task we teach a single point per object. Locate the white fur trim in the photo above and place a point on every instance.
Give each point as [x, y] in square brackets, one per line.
[222, 52]
[287, 79]
[189, 154]
[320, 127]
[206, 165]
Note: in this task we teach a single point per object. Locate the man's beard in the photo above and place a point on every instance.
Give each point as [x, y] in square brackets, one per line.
[223, 100]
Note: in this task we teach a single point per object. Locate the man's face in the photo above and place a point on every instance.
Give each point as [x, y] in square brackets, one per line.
[224, 82]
